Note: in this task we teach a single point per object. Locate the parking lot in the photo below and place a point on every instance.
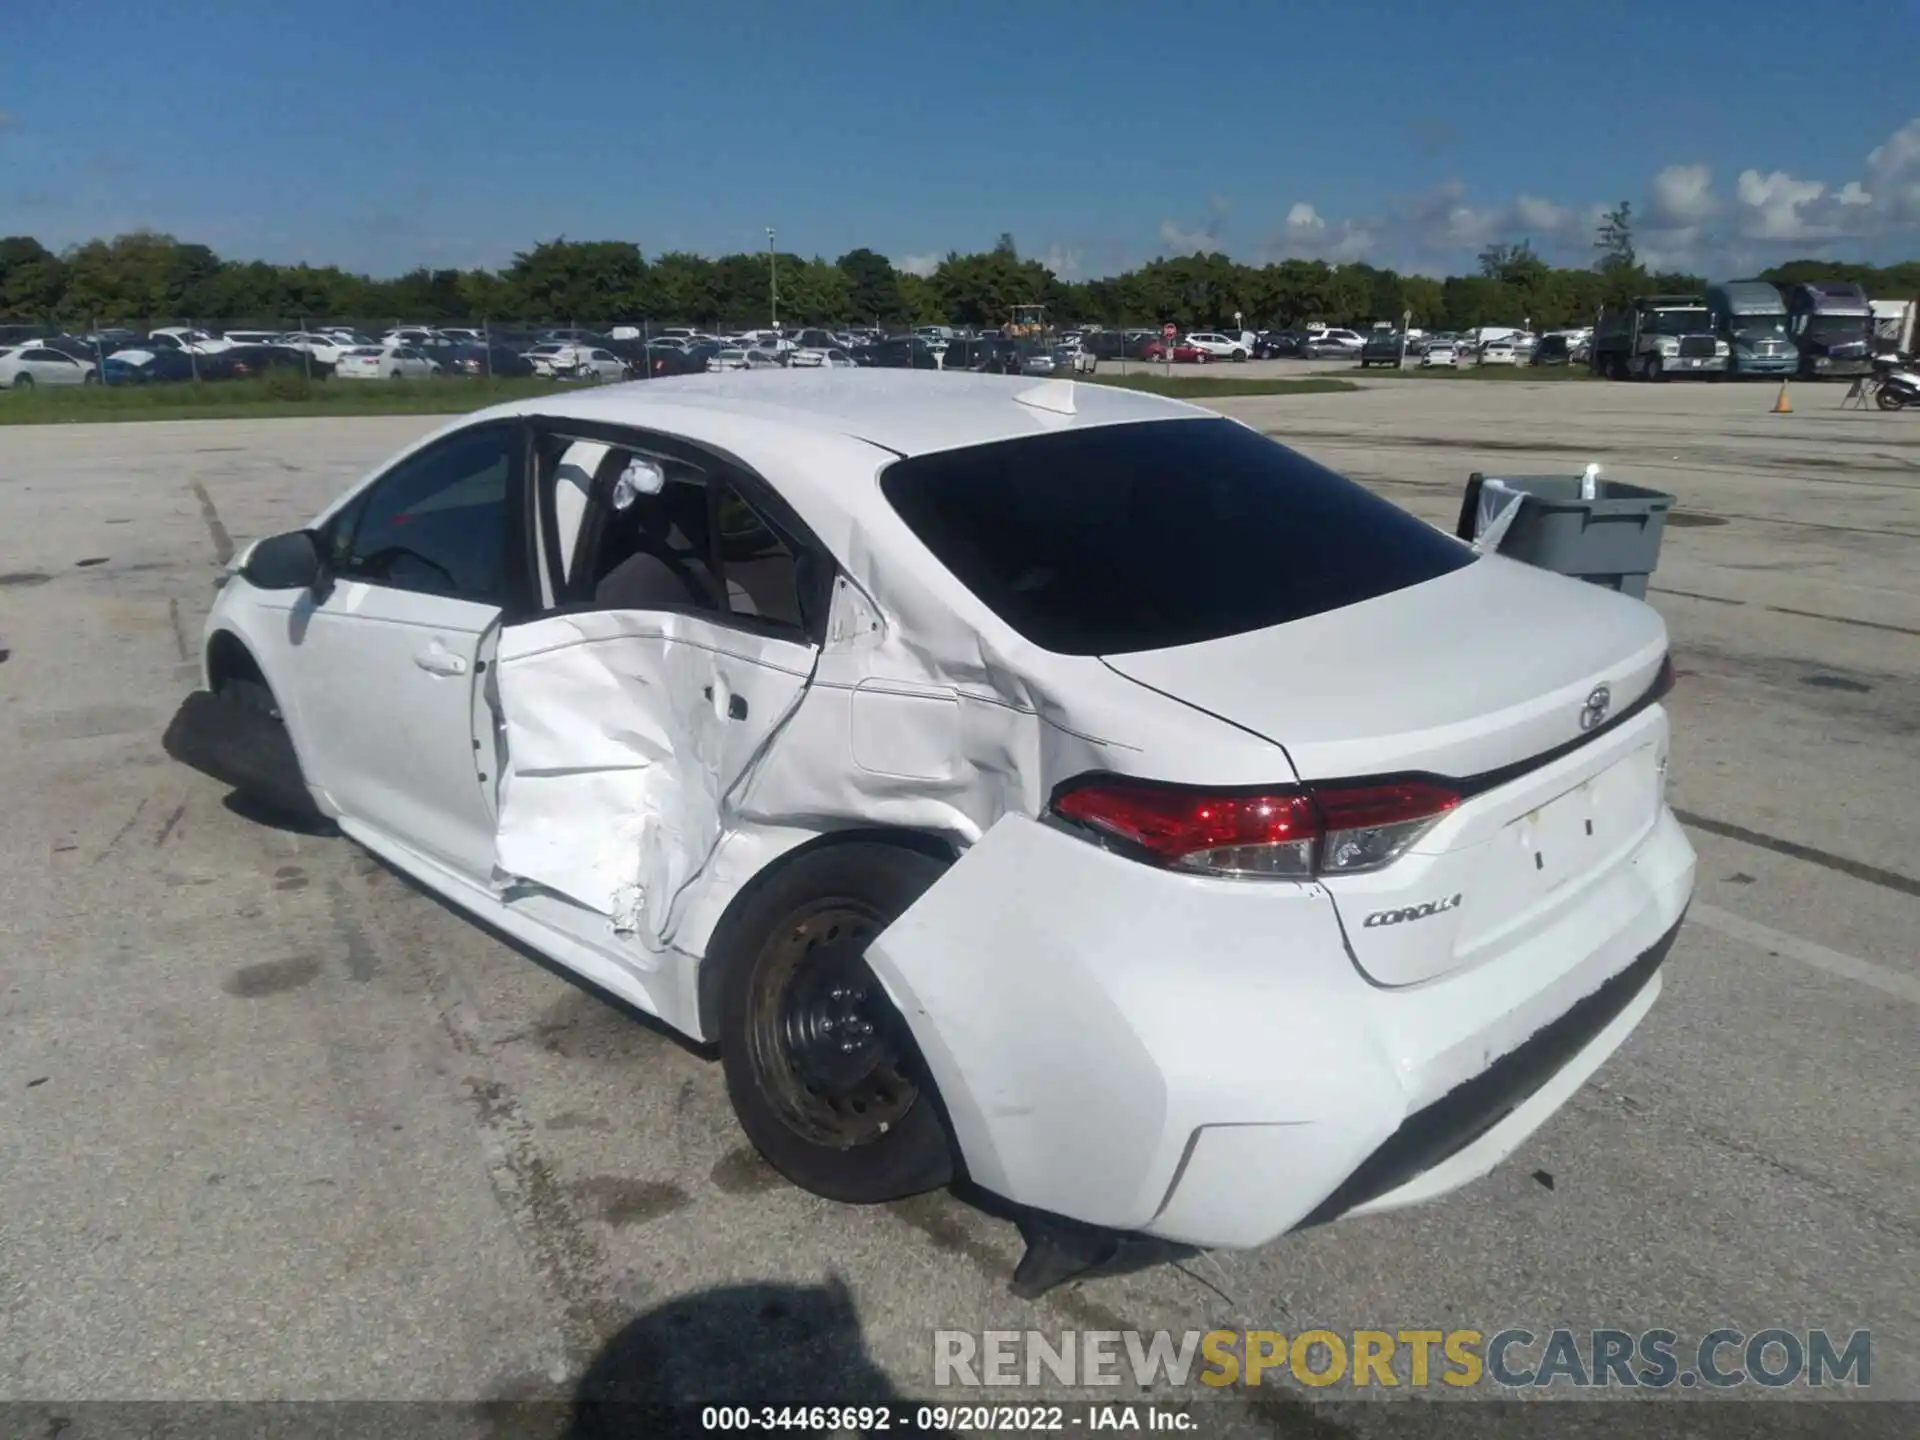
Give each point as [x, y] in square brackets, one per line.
[277, 1125]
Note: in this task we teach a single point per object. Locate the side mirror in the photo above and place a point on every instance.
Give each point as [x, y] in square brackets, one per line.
[285, 562]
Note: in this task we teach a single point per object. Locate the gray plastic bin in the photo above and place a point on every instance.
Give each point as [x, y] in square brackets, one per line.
[1612, 540]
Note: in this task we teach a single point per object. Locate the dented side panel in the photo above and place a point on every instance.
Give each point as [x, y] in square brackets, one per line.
[627, 734]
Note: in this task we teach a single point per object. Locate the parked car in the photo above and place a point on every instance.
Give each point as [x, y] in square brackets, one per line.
[589, 362]
[1498, 352]
[1182, 353]
[1440, 351]
[389, 362]
[1552, 350]
[1074, 360]
[1382, 348]
[1332, 345]
[135, 366]
[987, 354]
[185, 337]
[1274, 344]
[1217, 346]
[1085, 1010]
[904, 353]
[1036, 358]
[27, 366]
[499, 361]
[325, 346]
[241, 362]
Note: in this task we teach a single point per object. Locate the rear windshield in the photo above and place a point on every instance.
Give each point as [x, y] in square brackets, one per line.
[1172, 532]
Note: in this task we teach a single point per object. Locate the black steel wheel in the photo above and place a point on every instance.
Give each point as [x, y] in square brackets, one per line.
[821, 1068]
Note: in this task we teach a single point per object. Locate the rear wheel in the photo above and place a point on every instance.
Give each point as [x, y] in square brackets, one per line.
[821, 1069]
[23, 382]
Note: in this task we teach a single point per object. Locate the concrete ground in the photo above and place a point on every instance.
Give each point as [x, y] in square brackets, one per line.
[274, 1125]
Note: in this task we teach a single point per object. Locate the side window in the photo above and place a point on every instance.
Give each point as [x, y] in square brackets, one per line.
[437, 523]
[764, 570]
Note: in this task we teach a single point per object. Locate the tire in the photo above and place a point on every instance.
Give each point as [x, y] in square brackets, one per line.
[1239, 357]
[861, 1126]
[23, 382]
[1656, 370]
[1202, 358]
[89, 379]
[250, 695]
[1887, 399]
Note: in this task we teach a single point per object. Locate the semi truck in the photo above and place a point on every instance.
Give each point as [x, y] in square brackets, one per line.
[1656, 337]
[1752, 318]
[1832, 325]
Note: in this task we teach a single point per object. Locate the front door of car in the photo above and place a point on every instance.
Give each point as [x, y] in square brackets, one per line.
[386, 661]
[638, 713]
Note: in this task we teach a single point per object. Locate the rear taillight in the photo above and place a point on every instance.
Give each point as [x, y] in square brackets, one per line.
[1282, 833]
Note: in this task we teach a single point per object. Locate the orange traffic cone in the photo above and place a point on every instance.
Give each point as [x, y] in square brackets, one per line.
[1782, 405]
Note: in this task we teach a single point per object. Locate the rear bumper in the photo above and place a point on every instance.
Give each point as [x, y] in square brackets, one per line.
[1202, 1061]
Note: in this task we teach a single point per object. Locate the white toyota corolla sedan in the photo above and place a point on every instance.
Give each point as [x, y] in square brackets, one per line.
[1045, 783]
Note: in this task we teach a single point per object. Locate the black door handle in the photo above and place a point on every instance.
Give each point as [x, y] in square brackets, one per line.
[736, 707]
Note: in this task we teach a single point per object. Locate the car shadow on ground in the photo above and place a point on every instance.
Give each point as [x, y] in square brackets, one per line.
[752, 1348]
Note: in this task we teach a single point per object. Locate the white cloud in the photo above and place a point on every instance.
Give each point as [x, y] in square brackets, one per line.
[1534, 214]
[1177, 237]
[1773, 205]
[1683, 222]
[921, 265]
[1893, 173]
[1306, 235]
[1683, 195]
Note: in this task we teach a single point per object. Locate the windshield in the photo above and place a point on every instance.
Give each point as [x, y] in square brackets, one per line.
[1071, 537]
[1759, 327]
[1674, 322]
[1837, 327]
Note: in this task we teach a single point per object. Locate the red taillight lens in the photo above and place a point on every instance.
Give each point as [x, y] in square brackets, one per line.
[1284, 833]
[1266, 834]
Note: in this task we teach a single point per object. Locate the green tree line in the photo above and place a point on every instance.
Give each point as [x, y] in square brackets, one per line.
[152, 277]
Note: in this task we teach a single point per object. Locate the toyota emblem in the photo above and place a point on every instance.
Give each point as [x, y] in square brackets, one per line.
[1594, 712]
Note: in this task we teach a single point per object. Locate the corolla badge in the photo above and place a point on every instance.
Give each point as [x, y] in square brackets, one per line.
[1409, 912]
[1594, 712]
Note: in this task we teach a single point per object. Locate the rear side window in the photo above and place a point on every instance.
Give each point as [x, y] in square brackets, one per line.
[1142, 537]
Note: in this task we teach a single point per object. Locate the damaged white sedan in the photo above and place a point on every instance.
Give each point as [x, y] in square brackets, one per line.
[1044, 783]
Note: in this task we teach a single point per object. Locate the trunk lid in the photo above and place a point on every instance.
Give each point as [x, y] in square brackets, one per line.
[1484, 667]
[1488, 675]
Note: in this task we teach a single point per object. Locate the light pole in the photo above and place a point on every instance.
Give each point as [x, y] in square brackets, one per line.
[773, 283]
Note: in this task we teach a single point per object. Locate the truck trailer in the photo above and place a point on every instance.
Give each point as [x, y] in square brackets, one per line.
[1751, 317]
[1832, 324]
[1656, 337]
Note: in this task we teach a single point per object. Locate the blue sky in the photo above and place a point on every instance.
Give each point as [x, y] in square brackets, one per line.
[1404, 132]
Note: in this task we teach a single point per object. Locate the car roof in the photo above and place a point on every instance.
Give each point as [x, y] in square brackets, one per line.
[910, 412]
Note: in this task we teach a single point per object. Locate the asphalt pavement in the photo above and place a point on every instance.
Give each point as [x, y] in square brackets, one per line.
[275, 1125]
